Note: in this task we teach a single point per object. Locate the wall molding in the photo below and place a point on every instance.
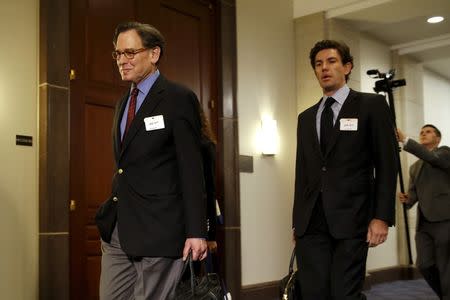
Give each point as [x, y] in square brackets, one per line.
[260, 291]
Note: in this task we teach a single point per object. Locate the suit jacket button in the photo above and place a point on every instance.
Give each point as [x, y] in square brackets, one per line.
[120, 171]
[324, 169]
[115, 199]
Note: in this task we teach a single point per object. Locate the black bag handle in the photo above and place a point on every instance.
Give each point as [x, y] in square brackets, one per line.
[190, 264]
[291, 263]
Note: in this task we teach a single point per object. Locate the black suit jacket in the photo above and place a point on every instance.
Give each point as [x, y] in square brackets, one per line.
[209, 170]
[356, 176]
[157, 190]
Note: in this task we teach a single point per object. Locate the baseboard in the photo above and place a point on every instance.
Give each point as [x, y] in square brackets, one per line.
[391, 274]
[260, 291]
[269, 290]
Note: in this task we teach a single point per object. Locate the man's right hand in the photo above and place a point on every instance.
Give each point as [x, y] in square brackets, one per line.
[198, 247]
[403, 197]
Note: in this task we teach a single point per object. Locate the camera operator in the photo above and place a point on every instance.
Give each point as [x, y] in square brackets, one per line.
[429, 186]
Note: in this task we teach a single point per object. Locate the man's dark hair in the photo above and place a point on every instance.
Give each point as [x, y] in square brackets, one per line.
[150, 36]
[437, 131]
[342, 49]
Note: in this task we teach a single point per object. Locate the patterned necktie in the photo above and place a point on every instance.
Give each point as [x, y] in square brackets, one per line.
[131, 109]
[326, 124]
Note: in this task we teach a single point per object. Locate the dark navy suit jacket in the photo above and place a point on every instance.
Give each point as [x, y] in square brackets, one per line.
[356, 176]
[158, 197]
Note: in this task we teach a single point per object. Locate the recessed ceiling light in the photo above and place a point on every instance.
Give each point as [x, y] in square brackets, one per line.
[436, 19]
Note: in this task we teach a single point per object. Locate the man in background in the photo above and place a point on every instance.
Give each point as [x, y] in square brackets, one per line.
[429, 186]
[345, 180]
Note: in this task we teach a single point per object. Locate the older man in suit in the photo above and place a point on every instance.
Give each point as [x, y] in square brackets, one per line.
[429, 186]
[345, 180]
[156, 212]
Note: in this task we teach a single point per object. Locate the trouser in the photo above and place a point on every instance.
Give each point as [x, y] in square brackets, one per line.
[433, 255]
[130, 278]
[330, 268]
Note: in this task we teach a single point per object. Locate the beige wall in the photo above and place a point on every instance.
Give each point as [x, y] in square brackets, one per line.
[18, 179]
[266, 87]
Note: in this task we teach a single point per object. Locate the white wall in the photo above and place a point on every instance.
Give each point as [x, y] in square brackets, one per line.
[436, 95]
[18, 179]
[266, 87]
[376, 55]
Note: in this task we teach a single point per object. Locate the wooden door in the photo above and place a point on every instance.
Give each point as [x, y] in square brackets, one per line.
[189, 29]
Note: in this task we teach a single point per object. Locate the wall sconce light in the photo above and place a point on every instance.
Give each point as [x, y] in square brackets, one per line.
[269, 137]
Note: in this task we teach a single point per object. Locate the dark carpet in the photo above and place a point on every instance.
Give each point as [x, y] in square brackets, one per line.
[416, 289]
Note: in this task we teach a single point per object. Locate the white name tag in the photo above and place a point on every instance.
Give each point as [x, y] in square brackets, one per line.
[349, 124]
[154, 123]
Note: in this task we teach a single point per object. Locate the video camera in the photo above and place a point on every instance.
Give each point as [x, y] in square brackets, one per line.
[386, 84]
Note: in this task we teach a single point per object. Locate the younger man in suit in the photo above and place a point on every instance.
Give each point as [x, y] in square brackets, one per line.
[429, 186]
[156, 212]
[345, 180]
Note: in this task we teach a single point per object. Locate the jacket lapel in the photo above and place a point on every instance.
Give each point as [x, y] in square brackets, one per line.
[116, 126]
[345, 110]
[152, 100]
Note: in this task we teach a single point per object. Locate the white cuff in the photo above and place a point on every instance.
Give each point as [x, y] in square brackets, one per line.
[405, 141]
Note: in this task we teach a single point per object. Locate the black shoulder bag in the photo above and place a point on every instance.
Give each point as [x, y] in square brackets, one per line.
[289, 285]
[205, 287]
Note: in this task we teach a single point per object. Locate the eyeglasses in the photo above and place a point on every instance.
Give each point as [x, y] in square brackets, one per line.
[129, 53]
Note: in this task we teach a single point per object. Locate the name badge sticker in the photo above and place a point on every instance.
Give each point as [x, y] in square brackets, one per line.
[348, 124]
[154, 123]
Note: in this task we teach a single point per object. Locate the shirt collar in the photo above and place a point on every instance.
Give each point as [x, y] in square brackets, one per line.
[340, 95]
[145, 85]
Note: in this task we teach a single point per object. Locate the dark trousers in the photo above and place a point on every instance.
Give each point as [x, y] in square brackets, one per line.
[330, 268]
[433, 255]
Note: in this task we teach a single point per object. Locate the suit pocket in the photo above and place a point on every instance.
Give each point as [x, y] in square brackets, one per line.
[105, 219]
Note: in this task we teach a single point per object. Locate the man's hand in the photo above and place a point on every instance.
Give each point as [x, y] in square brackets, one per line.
[198, 247]
[403, 197]
[400, 136]
[377, 233]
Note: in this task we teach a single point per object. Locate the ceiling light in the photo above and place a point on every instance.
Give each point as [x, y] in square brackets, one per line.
[436, 19]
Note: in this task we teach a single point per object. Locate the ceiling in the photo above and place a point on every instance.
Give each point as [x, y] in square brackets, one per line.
[401, 24]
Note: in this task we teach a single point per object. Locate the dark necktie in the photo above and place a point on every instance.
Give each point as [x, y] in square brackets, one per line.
[131, 109]
[326, 124]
